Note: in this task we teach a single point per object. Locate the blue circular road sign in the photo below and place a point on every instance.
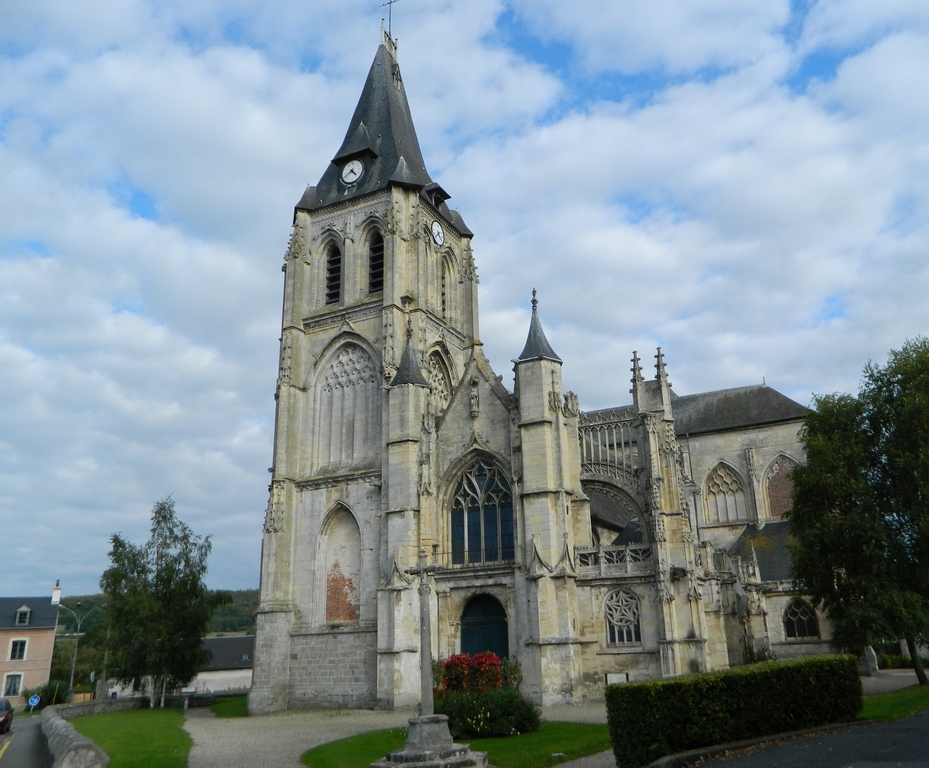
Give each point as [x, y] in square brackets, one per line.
[33, 700]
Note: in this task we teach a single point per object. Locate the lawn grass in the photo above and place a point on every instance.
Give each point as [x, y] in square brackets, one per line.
[237, 706]
[554, 743]
[139, 738]
[896, 704]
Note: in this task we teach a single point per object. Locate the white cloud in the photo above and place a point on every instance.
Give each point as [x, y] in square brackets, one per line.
[637, 35]
[750, 227]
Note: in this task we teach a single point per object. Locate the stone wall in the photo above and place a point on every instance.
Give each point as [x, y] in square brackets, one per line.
[67, 747]
[99, 707]
[334, 669]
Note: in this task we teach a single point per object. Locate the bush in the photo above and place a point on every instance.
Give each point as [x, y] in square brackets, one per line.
[896, 661]
[484, 714]
[649, 720]
[53, 692]
[479, 694]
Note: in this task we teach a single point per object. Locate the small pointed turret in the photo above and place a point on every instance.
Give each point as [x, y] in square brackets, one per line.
[662, 374]
[537, 346]
[408, 372]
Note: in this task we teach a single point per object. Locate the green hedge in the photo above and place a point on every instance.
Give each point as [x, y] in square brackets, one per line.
[661, 717]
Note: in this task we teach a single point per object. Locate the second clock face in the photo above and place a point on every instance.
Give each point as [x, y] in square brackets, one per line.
[438, 234]
[352, 171]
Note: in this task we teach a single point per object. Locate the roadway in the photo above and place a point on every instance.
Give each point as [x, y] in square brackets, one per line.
[23, 747]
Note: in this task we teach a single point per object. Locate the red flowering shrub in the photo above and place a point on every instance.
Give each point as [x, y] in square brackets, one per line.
[481, 698]
[486, 673]
[455, 672]
[482, 672]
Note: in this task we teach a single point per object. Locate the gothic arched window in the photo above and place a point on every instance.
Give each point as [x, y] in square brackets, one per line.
[376, 263]
[800, 620]
[333, 274]
[623, 622]
[725, 496]
[349, 418]
[780, 487]
[482, 516]
[445, 286]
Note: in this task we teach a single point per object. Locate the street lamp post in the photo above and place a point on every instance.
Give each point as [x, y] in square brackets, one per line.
[80, 620]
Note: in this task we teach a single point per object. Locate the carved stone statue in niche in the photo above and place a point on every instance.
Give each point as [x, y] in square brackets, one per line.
[475, 399]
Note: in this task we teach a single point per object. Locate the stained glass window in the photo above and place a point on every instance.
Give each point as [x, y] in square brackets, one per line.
[482, 516]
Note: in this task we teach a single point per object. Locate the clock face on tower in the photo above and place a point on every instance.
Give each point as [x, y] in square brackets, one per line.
[352, 171]
[438, 234]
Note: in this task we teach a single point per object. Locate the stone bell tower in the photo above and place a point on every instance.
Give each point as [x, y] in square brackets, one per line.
[379, 320]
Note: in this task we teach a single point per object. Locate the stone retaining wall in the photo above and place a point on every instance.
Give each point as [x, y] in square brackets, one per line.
[66, 747]
[98, 707]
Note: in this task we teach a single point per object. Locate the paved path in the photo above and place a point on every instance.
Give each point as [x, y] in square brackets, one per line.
[889, 745]
[281, 738]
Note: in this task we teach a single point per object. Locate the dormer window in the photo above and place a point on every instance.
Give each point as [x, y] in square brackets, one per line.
[22, 616]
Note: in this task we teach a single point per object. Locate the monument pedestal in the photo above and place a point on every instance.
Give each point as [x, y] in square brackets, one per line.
[429, 745]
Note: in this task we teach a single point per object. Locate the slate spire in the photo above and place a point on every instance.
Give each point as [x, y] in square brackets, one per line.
[380, 136]
[537, 346]
[408, 372]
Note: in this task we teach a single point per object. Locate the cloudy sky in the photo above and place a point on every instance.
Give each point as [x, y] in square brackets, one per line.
[742, 182]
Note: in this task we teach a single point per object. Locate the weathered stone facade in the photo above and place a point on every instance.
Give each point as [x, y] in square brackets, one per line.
[637, 542]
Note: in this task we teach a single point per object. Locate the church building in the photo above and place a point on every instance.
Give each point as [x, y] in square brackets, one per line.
[630, 543]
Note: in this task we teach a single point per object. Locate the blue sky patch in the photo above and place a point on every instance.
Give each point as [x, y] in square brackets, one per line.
[16, 247]
[143, 205]
[833, 308]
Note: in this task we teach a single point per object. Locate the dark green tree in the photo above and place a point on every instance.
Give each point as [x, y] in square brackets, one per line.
[860, 520]
[157, 603]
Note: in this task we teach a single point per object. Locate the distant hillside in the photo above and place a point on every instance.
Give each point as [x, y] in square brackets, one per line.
[236, 618]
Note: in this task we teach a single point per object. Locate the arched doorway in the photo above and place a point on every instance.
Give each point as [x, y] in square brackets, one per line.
[484, 627]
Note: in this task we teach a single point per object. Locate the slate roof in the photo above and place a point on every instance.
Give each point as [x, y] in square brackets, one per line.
[732, 409]
[229, 652]
[770, 543]
[537, 346]
[724, 409]
[44, 615]
[381, 134]
[408, 372]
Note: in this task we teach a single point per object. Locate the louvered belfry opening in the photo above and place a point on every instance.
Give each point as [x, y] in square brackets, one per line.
[376, 264]
[333, 275]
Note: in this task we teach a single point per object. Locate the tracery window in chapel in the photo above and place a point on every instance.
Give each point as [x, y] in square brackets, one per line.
[333, 274]
[349, 415]
[440, 383]
[623, 619]
[780, 487]
[482, 516]
[800, 620]
[725, 496]
[376, 263]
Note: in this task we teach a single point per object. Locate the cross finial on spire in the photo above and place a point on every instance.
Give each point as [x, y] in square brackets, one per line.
[390, 8]
[535, 301]
[409, 328]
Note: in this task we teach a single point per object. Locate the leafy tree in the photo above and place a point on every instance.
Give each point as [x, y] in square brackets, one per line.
[860, 520]
[157, 603]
